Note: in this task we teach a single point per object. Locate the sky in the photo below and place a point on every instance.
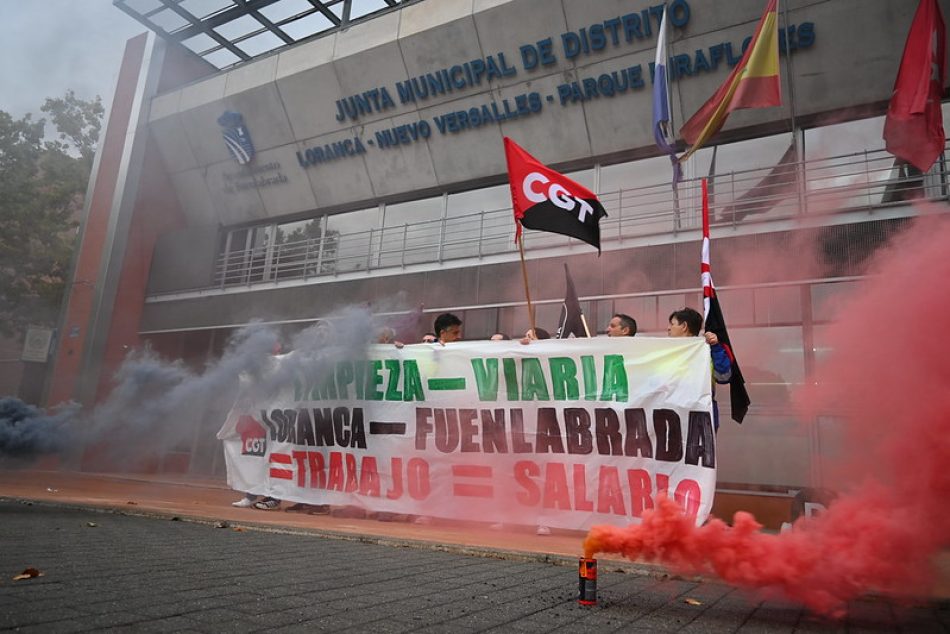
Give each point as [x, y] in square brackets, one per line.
[50, 46]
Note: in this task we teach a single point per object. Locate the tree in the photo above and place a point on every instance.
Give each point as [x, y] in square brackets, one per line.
[312, 232]
[42, 186]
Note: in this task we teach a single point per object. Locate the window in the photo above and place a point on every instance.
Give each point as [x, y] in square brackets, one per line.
[479, 323]
[772, 362]
[353, 240]
[230, 266]
[667, 304]
[827, 297]
[246, 256]
[738, 306]
[411, 232]
[259, 253]
[638, 198]
[298, 249]
[643, 310]
[479, 222]
[778, 305]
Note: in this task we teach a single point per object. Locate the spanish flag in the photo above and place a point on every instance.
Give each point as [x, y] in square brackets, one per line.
[753, 83]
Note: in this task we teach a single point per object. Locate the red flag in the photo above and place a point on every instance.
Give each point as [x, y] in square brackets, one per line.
[545, 200]
[913, 130]
[753, 83]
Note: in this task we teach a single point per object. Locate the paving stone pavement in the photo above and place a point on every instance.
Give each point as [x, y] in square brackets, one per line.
[140, 574]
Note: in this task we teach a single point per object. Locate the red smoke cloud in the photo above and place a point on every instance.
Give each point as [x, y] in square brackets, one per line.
[889, 378]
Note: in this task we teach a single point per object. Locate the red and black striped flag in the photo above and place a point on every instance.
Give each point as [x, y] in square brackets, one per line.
[714, 321]
[548, 201]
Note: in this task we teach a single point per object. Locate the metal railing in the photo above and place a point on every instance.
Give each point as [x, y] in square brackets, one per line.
[864, 180]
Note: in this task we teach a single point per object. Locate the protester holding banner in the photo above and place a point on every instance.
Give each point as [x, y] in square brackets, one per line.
[622, 325]
[265, 503]
[535, 334]
[448, 328]
[388, 335]
[687, 323]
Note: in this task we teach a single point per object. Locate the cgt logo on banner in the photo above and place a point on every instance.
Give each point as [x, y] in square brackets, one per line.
[253, 436]
[568, 433]
[236, 137]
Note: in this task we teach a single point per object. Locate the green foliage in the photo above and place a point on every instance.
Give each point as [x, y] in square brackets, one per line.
[42, 185]
[295, 234]
[78, 123]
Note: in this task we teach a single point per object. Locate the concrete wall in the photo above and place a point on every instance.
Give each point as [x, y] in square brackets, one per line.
[289, 100]
[183, 259]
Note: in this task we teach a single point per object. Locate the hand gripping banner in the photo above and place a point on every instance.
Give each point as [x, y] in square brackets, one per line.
[564, 433]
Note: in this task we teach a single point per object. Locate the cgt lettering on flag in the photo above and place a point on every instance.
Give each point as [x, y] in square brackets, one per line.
[545, 200]
[538, 188]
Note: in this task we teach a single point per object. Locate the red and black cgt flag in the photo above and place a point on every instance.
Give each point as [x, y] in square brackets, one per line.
[548, 201]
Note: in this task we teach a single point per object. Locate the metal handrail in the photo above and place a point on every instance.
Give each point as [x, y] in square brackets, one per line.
[861, 180]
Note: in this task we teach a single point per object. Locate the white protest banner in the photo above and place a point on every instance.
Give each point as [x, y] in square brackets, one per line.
[566, 433]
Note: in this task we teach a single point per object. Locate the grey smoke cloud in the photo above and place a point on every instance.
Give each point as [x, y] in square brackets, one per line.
[157, 405]
[26, 431]
[50, 46]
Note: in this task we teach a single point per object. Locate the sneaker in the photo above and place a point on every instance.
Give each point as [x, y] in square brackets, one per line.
[543, 530]
[244, 503]
[267, 505]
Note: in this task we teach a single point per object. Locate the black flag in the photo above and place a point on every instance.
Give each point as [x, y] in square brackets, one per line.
[572, 319]
[737, 392]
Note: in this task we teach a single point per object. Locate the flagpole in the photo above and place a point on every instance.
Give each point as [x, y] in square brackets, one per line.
[705, 271]
[527, 291]
[669, 84]
[677, 218]
[586, 329]
[669, 97]
[677, 212]
[799, 156]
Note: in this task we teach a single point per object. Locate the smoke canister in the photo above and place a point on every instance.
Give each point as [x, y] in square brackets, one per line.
[587, 581]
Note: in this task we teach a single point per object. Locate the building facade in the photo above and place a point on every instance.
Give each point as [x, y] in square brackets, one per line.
[365, 165]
